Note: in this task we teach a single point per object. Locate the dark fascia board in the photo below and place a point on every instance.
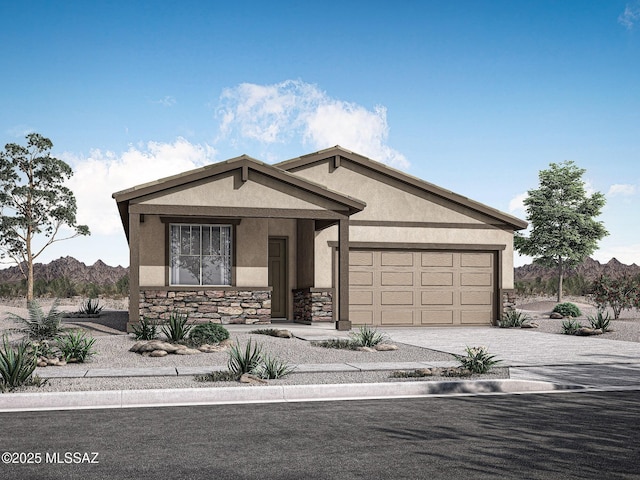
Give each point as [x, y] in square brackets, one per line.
[123, 197]
[303, 161]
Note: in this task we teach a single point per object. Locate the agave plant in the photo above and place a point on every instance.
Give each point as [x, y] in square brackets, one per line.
[273, 367]
[244, 360]
[477, 360]
[601, 320]
[367, 337]
[76, 346]
[90, 307]
[16, 365]
[177, 327]
[38, 325]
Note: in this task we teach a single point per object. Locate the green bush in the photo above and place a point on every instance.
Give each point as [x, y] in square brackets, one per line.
[176, 329]
[570, 326]
[76, 346]
[38, 325]
[601, 321]
[567, 309]
[367, 337]
[208, 333]
[477, 360]
[16, 366]
[513, 318]
[145, 329]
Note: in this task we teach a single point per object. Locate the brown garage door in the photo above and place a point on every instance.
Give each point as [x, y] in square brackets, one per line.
[421, 287]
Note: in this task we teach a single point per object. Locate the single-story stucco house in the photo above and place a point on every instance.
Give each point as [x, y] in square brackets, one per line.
[331, 236]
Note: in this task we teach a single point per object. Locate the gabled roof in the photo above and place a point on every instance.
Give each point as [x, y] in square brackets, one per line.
[244, 163]
[338, 151]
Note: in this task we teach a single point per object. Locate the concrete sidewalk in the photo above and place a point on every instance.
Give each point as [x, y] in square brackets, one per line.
[538, 362]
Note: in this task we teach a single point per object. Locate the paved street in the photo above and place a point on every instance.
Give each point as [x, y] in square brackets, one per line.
[551, 436]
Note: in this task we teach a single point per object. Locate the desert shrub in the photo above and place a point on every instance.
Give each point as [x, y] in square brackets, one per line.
[601, 320]
[208, 333]
[16, 366]
[339, 343]
[145, 329]
[90, 306]
[244, 360]
[570, 326]
[76, 346]
[217, 376]
[567, 309]
[367, 337]
[513, 318]
[177, 327]
[477, 360]
[617, 293]
[38, 325]
[272, 367]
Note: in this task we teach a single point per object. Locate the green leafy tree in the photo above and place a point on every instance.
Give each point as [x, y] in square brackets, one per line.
[34, 203]
[564, 229]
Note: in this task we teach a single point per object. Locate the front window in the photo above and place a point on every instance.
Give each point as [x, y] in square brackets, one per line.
[200, 254]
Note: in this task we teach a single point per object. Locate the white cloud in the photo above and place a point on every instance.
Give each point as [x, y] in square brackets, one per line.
[167, 101]
[517, 203]
[621, 189]
[630, 16]
[103, 173]
[627, 254]
[294, 109]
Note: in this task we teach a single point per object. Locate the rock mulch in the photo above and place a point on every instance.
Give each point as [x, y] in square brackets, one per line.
[158, 348]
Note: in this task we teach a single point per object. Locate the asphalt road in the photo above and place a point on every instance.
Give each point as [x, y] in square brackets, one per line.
[552, 436]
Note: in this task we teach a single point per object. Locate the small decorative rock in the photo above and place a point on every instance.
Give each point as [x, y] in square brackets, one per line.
[206, 348]
[529, 325]
[385, 347]
[226, 343]
[365, 349]
[425, 372]
[158, 353]
[283, 333]
[186, 351]
[252, 379]
[585, 331]
[556, 316]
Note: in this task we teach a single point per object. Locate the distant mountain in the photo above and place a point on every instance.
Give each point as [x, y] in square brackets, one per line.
[590, 269]
[99, 273]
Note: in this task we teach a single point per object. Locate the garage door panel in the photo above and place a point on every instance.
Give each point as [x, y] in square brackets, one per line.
[394, 259]
[476, 279]
[422, 288]
[475, 298]
[361, 279]
[476, 260]
[442, 297]
[431, 259]
[436, 279]
[396, 278]
[402, 297]
[396, 317]
[475, 317]
[361, 297]
[361, 317]
[361, 259]
[436, 317]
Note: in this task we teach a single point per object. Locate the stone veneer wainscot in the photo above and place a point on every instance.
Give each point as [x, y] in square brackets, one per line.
[218, 306]
[311, 305]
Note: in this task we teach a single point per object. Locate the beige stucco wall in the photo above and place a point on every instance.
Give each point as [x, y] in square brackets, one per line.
[251, 256]
[152, 255]
[387, 199]
[228, 190]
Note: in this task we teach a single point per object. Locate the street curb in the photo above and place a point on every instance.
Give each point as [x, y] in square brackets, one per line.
[16, 402]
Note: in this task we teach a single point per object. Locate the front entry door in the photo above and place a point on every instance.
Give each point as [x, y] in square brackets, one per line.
[278, 276]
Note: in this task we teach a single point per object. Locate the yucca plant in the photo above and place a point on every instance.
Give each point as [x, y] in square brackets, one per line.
[244, 360]
[601, 321]
[38, 325]
[16, 365]
[272, 368]
[145, 329]
[177, 327]
[477, 360]
[367, 337]
[90, 307]
[76, 346]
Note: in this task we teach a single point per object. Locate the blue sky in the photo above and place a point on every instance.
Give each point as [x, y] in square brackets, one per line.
[475, 96]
